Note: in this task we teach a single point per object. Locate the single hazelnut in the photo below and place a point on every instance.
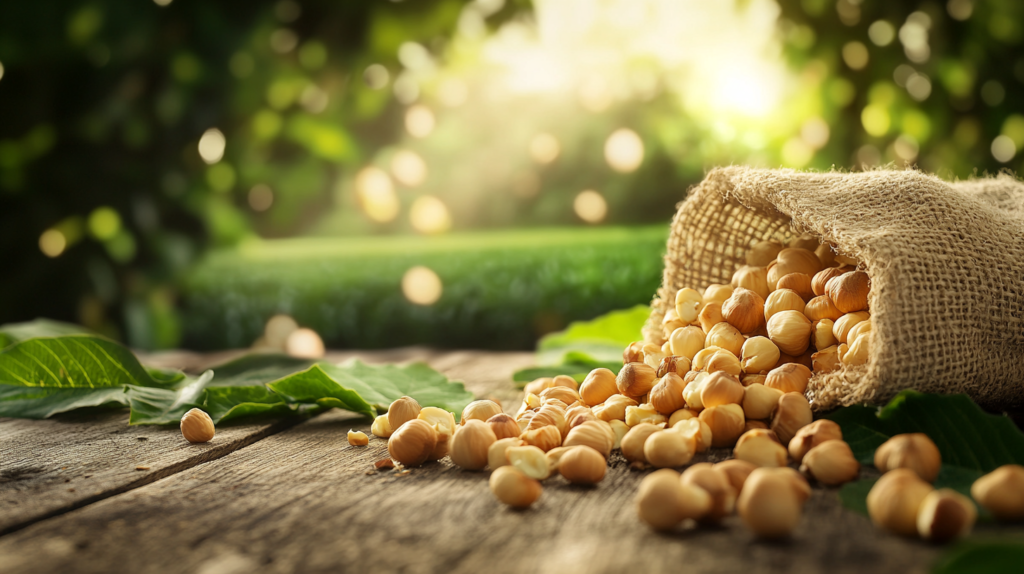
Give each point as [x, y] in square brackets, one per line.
[842, 326]
[669, 449]
[412, 443]
[894, 500]
[582, 465]
[821, 279]
[726, 423]
[862, 328]
[633, 353]
[480, 410]
[687, 341]
[721, 388]
[545, 438]
[725, 336]
[692, 391]
[811, 436]
[760, 447]
[849, 292]
[654, 358]
[496, 456]
[830, 463]
[805, 241]
[671, 364]
[792, 260]
[614, 408]
[700, 360]
[800, 283]
[535, 386]
[826, 360]
[821, 334]
[592, 434]
[468, 446]
[724, 361]
[759, 401]
[825, 254]
[504, 426]
[402, 411]
[789, 378]
[680, 415]
[442, 420]
[737, 470]
[716, 483]
[857, 352]
[514, 488]
[197, 426]
[619, 429]
[790, 331]
[769, 505]
[744, 310]
[792, 414]
[763, 252]
[1001, 492]
[688, 304]
[644, 413]
[821, 307]
[698, 429]
[752, 379]
[356, 438]
[636, 379]
[711, 315]
[914, 451]
[633, 441]
[670, 322]
[564, 394]
[716, 293]
[667, 395]
[752, 278]
[841, 350]
[783, 300]
[663, 502]
[564, 381]
[549, 415]
[758, 354]
[381, 427]
[529, 459]
[577, 415]
[944, 515]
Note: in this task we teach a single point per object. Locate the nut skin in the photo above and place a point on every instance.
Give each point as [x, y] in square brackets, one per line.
[197, 426]
[725, 336]
[535, 386]
[914, 451]
[514, 488]
[726, 423]
[721, 388]
[548, 415]
[633, 441]
[496, 453]
[668, 449]
[381, 427]
[789, 378]
[841, 328]
[821, 307]
[698, 430]
[783, 300]
[895, 499]
[687, 341]
[356, 438]
[413, 443]
[800, 283]
[849, 292]
[671, 364]
[760, 447]
[763, 252]
[790, 331]
[821, 279]
[744, 310]
[577, 415]
[792, 260]
[752, 278]
[1001, 492]
[759, 401]
[529, 459]
[716, 483]
[636, 379]
[811, 436]
[711, 315]
[564, 394]
[504, 426]
[825, 255]
[614, 408]
[716, 293]
[592, 435]
[633, 353]
[402, 411]
[663, 502]
[759, 354]
[945, 514]
[821, 334]
[830, 463]
[769, 505]
[480, 410]
[737, 470]
[582, 465]
[667, 395]
[468, 446]
[564, 381]
[545, 438]
[826, 360]
[792, 414]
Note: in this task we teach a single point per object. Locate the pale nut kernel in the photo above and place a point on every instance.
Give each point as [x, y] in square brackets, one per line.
[564, 381]
[725, 336]
[544, 438]
[197, 426]
[792, 260]
[826, 360]
[842, 326]
[789, 378]
[554, 456]
[858, 330]
[443, 421]
[759, 401]
[769, 505]
[564, 394]
[800, 283]
[669, 449]
[687, 341]
[945, 514]
[721, 388]
[763, 252]
[1001, 492]
[821, 334]
[698, 429]
[726, 423]
[688, 304]
[790, 331]
[356, 438]
[667, 395]
[783, 300]
[524, 421]
[841, 351]
[693, 390]
[737, 470]
[673, 364]
[636, 379]
[821, 307]
[514, 488]
[858, 352]
[413, 442]
[716, 293]
[381, 427]
[914, 451]
[792, 414]
[744, 309]
[529, 459]
[496, 457]
[504, 426]
[760, 447]
[480, 410]
[894, 501]
[711, 315]
[670, 323]
[821, 279]
[549, 414]
[724, 361]
[468, 446]
[619, 429]
[633, 353]
[653, 358]
[700, 360]
[582, 465]
[663, 502]
[811, 436]
[598, 386]
[614, 408]
[749, 379]
[849, 292]
[644, 413]
[753, 278]
[759, 354]
[831, 463]
[754, 424]
[402, 411]
[535, 386]
[716, 483]
[592, 434]
[633, 441]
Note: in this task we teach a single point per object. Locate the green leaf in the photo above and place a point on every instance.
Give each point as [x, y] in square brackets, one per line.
[981, 556]
[227, 403]
[16, 332]
[43, 402]
[601, 339]
[315, 386]
[257, 369]
[156, 406]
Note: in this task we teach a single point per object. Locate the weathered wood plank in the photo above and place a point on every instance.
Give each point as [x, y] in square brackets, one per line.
[304, 500]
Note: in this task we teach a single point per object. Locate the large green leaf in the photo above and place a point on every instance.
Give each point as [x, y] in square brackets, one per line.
[156, 406]
[257, 369]
[228, 403]
[43, 402]
[982, 556]
[16, 332]
[601, 339]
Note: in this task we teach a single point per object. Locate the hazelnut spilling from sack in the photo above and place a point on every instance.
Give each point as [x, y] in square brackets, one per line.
[878, 281]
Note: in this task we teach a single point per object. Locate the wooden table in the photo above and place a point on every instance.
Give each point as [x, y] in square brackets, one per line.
[88, 493]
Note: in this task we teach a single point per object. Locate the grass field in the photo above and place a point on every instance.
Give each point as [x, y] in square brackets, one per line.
[502, 290]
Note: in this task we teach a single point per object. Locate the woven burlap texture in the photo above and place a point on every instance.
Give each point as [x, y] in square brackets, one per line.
[946, 262]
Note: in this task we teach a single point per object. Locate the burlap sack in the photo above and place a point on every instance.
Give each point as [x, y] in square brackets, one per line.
[946, 262]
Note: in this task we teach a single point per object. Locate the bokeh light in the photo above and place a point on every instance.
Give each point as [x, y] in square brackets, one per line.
[376, 76]
[453, 92]
[624, 151]
[882, 33]
[162, 2]
[1003, 148]
[590, 206]
[960, 9]
[377, 194]
[1, 70]
[283, 40]
[421, 285]
[408, 168]
[429, 214]
[304, 344]
[211, 146]
[104, 223]
[261, 197]
[419, 121]
[278, 329]
[544, 148]
[52, 243]
[855, 54]
[815, 132]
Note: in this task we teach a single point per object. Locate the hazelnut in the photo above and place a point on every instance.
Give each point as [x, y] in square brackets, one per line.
[654, 357]
[842, 326]
[504, 426]
[545, 438]
[831, 463]
[524, 420]
[687, 341]
[1001, 492]
[792, 414]
[670, 323]
[514, 488]
[857, 352]
[564, 381]
[744, 310]
[754, 424]
[680, 415]
[821, 279]
[783, 300]
[663, 502]
[535, 386]
[529, 459]
[413, 442]
[548, 415]
[356, 438]
[197, 426]
[669, 449]
[758, 354]
[381, 427]
[716, 293]
[821, 334]
[769, 505]
[805, 241]
[800, 283]
[614, 408]
[582, 465]
[826, 360]
[692, 391]
[671, 364]
[826, 255]
[619, 430]
[716, 484]
[945, 514]
[841, 351]
[688, 304]
[849, 292]
[402, 411]
[811, 436]
[633, 441]
[698, 429]
[759, 401]
[752, 278]
[633, 353]
[726, 423]
[790, 331]
[577, 415]
[667, 395]
[468, 446]
[725, 336]
[496, 453]
[760, 447]
[763, 252]
[751, 379]
[721, 388]
[821, 307]
[724, 361]
[442, 420]
[737, 470]
[894, 500]
[711, 315]
[480, 410]
[792, 260]
[636, 379]
[441, 447]
[594, 435]
[862, 328]
[564, 394]
[644, 413]
[700, 360]
[789, 378]
[914, 451]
